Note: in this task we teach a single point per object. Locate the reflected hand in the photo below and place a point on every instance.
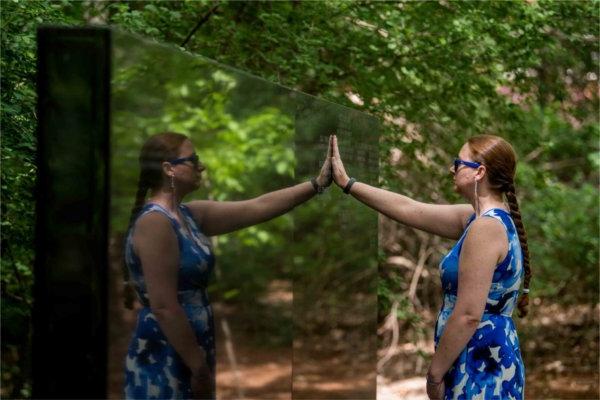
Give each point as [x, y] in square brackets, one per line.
[202, 383]
[324, 179]
[339, 172]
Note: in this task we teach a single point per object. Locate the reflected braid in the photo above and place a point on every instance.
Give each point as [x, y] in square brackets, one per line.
[515, 213]
[140, 197]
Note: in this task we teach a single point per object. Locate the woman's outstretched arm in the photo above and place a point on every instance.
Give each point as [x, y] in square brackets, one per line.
[219, 217]
[445, 220]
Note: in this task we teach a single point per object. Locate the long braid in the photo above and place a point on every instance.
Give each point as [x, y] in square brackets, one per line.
[140, 197]
[500, 160]
[511, 197]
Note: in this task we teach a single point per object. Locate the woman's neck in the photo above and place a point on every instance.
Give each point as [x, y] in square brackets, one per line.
[488, 200]
[166, 199]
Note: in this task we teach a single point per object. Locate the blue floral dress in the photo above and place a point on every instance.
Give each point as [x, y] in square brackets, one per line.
[153, 369]
[490, 366]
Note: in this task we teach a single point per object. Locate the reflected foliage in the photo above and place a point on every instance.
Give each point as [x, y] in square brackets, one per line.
[256, 137]
[246, 148]
[434, 72]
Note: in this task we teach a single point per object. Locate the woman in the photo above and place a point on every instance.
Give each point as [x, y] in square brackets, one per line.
[169, 258]
[477, 350]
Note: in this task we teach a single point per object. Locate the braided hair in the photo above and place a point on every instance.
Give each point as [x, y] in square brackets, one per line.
[157, 149]
[499, 158]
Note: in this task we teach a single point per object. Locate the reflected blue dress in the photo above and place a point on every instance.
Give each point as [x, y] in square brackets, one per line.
[490, 366]
[153, 369]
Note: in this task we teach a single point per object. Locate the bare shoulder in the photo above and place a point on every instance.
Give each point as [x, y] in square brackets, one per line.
[152, 221]
[487, 227]
[487, 233]
[151, 228]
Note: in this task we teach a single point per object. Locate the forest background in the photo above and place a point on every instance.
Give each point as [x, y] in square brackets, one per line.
[434, 73]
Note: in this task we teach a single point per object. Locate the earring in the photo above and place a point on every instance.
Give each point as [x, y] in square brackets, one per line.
[173, 182]
[476, 201]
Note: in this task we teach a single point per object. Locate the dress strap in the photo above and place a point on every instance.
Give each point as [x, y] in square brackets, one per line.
[505, 219]
[151, 207]
[471, 219]
[503, 216]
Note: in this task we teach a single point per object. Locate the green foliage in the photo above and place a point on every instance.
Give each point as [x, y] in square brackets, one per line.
[19, 20]
[244, 141]
[434, 72]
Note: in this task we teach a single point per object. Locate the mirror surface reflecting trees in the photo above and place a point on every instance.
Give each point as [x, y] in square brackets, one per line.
[294, 298]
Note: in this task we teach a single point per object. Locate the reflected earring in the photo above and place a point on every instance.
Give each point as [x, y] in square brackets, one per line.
[173, 182]
[476, 201]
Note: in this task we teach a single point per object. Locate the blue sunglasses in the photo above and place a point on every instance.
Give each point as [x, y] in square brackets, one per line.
[193, 158]
[458, 162]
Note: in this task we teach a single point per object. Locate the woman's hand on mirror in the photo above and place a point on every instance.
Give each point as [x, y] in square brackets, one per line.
[339, 172]
[324, 179]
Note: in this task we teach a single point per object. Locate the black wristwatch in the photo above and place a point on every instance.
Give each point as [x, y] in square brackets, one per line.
[349, 185]
[318, 189]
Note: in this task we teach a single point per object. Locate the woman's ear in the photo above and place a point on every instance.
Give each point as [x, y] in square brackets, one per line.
[167, 168]
[480, 172]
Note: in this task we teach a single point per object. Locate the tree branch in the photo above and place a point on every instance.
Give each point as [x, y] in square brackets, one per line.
[200, 23]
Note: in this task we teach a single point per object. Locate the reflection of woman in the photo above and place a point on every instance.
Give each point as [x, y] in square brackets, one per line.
[169, 258]
[477, 350]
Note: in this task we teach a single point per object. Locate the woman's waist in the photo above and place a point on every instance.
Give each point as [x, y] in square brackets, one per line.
[193, 297]
[491, 307]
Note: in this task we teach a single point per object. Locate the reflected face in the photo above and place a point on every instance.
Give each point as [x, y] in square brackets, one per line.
[188, 173]
[464, 176]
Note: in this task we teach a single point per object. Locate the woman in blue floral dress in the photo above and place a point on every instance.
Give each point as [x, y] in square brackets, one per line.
[477, 349]
[169, 259]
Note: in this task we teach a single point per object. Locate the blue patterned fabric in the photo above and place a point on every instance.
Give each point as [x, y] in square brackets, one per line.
[153, 369]
[490, 366]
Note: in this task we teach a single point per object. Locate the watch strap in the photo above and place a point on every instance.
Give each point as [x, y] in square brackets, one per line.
[349, 185]
[318, 189]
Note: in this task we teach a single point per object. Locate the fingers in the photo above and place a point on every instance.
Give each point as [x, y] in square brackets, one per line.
[333, 167]
[336, 150]
[336, 159]
[326, 167]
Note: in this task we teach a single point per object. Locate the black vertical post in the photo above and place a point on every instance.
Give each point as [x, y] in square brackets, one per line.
[70, 304]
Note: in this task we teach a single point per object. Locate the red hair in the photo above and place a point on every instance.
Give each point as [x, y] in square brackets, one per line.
[500, 161]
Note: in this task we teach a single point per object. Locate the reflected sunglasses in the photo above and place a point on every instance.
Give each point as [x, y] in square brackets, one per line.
[193, 158]
[458, 162]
